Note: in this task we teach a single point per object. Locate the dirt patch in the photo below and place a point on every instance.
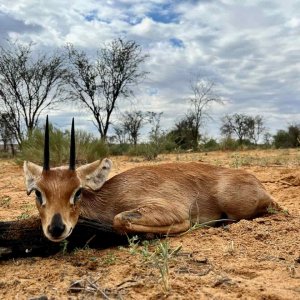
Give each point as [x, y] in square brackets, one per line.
[258, 259]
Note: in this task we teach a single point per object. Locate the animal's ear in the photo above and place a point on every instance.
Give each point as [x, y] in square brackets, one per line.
[94, 175]
[32, 172]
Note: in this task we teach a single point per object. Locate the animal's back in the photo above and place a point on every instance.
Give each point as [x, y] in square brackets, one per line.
[174, 183]
[177, 193]
[167, 180]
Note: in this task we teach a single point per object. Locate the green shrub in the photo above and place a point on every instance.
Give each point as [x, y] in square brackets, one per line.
[165, 144]
[118, 149]
[5, 155]
[151, 150]
[211, 145]
[148, 151]
[160, 144]
[88, 148]
[282, 139]
[32, 148]
[228, 143]
[137, 150]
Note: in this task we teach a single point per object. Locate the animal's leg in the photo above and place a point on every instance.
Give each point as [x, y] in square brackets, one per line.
[256, 203]
[153, 218]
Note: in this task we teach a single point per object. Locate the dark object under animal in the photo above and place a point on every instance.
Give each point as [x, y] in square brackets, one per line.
[25, 238]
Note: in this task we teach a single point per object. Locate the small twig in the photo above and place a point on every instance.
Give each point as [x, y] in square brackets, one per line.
[103, 294]
[87, 285]
[205, 224]
[131, 282]
[89, 240]
[288, 183]
[221, 281]
[269, 181]
[279, 181]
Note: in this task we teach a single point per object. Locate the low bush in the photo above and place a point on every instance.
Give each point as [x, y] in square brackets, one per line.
[88, 148]
[5, 155]
[118, 149]
[228, 143]
[211, 145]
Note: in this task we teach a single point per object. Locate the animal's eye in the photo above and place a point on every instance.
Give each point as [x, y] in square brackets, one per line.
[39, 197]
[77, 195]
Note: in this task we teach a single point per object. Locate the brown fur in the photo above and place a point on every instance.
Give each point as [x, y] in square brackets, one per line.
[165, 198]
[63, 182]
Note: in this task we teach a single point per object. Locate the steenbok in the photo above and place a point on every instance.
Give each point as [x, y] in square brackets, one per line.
[165, 198]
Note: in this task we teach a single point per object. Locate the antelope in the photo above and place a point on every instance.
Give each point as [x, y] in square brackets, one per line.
[161, 199]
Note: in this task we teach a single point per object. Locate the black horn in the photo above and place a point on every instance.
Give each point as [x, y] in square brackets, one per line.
[46, 148]
[72, 148]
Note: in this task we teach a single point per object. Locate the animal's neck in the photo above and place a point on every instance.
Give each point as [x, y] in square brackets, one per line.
[96, 206]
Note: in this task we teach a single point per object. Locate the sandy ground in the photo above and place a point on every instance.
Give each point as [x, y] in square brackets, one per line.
[257, 259]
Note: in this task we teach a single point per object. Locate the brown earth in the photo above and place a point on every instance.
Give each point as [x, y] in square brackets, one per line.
[257, 259]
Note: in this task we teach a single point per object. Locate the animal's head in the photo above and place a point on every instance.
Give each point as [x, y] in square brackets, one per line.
[58, 190]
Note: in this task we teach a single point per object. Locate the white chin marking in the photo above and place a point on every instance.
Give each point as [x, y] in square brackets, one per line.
[59, 239]
[56, 240]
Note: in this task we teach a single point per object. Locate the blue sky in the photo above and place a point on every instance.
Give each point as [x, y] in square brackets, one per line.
[250, 49]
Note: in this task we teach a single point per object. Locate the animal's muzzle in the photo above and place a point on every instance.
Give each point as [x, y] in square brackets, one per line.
[56, 227]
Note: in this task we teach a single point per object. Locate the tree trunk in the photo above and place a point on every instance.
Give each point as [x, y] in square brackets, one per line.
[4, 145]
[13, 152]
[24, 238]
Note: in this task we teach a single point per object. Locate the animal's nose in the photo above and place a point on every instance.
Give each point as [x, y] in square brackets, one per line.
[56, 231]
[57, 227]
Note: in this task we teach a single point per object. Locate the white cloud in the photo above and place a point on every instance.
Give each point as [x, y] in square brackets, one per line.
[250, 48]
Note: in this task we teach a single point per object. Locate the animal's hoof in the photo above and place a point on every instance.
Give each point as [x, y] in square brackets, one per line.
[129, 216]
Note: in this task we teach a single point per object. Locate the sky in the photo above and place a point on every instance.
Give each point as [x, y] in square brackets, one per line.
[249, 49]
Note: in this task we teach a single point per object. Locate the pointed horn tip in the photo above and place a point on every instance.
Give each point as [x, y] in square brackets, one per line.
[73, 127]
[46, 163]
[72, 147]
